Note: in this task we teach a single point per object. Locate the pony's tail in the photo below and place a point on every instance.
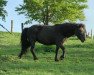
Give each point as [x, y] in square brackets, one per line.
[24, 42]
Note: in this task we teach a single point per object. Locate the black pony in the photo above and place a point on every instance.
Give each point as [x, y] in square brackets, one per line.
[50, 35]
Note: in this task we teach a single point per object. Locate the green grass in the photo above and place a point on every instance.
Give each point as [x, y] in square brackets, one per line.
[79, 58]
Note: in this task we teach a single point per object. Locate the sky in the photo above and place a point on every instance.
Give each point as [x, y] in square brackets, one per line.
[18, 19]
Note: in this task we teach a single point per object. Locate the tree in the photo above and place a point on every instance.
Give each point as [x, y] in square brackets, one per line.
[2, 10]
[52, 11]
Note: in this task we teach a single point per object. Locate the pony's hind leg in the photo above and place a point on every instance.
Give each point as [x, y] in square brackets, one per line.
[32, 50]
[24, 50]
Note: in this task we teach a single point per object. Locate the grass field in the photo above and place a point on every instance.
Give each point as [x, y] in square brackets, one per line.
[79, 58]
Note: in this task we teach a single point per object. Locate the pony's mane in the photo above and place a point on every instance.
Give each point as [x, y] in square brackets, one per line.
[70, 24]
[64, 25]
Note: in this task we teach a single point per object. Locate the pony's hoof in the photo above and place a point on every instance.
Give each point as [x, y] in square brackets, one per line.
[19, 57]
[56, 60]
[35, 58]
[61, 58]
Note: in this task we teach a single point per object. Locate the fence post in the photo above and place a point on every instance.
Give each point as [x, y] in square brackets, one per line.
[22, 26]
[91, 34]
[11, 26]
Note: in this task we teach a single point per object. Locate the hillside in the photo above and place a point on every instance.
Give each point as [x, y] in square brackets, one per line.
[79, 58]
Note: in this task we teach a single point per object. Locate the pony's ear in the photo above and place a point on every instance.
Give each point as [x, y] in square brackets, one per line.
[81, 26]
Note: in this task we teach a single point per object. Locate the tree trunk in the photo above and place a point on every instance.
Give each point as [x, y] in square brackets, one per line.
[46, 16]
[46, 20]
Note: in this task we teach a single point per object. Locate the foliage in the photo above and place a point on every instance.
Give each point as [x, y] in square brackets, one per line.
[52, 11]
[2, 10]
[79, 58]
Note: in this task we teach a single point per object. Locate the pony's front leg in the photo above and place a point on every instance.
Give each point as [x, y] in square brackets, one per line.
[61, 45]
[57, 48]
[63, 52]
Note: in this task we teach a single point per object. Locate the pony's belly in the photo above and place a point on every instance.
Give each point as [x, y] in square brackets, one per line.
[46, 42]
[46, 37]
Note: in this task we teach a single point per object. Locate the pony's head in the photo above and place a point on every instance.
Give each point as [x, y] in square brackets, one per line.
[80, 32]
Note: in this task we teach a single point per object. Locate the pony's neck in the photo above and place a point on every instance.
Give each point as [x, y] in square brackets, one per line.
[68, 31]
